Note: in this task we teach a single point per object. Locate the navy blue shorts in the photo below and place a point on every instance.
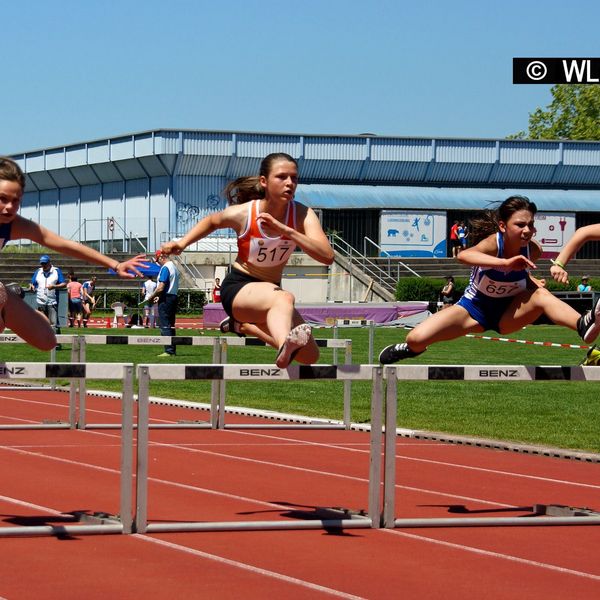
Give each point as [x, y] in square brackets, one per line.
[487, 312]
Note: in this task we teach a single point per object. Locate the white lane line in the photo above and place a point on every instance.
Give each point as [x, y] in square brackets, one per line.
[246, 567]
[492, 554]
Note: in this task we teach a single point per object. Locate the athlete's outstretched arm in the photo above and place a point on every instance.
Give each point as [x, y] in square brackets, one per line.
[24, 228]
[589, 233]
[231, 218]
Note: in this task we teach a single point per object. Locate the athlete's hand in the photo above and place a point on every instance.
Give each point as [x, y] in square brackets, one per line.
[130, 268]
[171, 248]
[559, 274]
[519, 263]
[272, 223]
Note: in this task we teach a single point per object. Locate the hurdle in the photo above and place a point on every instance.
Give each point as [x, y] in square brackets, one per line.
[218, 409]
[218, 398]
[508, 373]
[92, 524]
[143, 340]
[74, 386]
[373, 373]
[11, 338]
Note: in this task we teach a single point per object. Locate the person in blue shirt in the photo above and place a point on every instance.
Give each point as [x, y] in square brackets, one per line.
[165, 294]
[26, 322]
[584, 286]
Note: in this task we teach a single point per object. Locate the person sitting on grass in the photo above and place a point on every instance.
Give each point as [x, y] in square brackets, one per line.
[269, 224]
[501, 294]
[23, 320]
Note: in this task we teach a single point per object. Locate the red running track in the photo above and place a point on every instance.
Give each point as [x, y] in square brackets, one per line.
[282, 474]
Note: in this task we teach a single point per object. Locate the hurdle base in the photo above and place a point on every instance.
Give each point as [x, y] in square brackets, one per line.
[358, 523]
[560, 510]
[542, 521]
[96, 518]
[43, 425]
[61, 530]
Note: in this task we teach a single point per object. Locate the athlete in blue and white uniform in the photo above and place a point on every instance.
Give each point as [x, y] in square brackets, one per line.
[490, 291]
[501, 294]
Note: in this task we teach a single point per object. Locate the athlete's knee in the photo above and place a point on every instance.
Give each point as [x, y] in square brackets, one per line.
[284, 297]
[541, 295]
[415, 338]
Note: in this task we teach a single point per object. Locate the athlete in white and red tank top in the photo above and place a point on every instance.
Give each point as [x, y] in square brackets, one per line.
[269, 226]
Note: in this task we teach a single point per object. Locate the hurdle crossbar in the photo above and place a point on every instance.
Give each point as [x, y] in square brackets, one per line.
[468, 373]
[72, 371]
[218, 412]
[12, 338]
[218, 398]
[218, 372]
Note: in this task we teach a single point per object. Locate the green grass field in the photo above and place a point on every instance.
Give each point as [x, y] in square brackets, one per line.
[560, 414]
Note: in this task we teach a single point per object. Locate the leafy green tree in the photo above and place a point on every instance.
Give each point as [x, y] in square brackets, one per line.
[573, 114]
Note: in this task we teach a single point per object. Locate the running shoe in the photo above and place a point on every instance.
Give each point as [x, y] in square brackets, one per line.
[396, 352]
[592, 357]
[3, 298]
[296, 339]
[588, 325]
[229, 325]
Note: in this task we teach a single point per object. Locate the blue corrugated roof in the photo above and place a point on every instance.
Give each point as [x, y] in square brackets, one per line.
[431, 198]
[344, 159]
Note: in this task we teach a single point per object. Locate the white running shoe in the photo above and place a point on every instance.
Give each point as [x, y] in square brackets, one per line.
[297, 338]
[588, 325]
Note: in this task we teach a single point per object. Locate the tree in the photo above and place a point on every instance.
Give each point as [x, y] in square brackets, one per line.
[573, 114]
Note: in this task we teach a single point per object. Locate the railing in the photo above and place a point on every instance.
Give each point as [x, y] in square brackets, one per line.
[123, 243]
[387, 254]
[191, 272]
[212, 243]
[365, 264]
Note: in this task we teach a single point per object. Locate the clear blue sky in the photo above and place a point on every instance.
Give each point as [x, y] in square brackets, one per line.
[77, 70]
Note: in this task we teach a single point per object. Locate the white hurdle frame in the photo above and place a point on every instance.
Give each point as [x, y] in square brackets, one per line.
[79, 371]
[146, 373]
[466, 373]
[218, 398]
[218, 410]
[146, 340]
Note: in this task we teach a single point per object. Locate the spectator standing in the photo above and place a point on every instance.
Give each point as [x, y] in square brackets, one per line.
[454, 241]
[150, 307]
[88, 291]
[74, 288]
[462, 235]
[165, 295]
[216, 293]
[45, 282]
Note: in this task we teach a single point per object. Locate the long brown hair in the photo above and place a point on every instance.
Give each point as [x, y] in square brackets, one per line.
[487, 223]
[10, 171]
[244, 189]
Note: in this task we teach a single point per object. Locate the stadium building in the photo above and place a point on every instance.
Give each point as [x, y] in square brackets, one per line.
[383, 196]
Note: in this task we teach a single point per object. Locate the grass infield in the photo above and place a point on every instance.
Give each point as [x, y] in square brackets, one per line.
[563, 414]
